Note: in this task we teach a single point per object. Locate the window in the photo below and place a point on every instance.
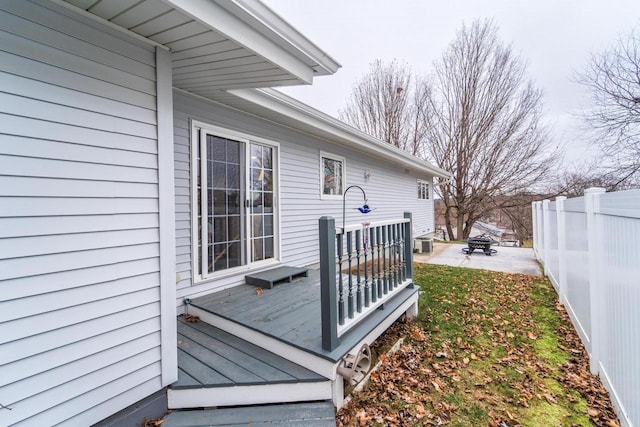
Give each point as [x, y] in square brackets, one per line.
[331, 175]
[423, 190]
[234, 201]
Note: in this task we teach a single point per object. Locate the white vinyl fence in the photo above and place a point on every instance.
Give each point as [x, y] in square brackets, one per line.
[590, 248]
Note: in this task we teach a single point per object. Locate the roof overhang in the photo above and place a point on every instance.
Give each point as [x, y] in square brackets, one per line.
[216, 44]
[287, 111]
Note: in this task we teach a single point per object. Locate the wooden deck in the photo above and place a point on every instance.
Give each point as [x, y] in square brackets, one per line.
[218, 369]
[290, 313]
[314, 414]
[210, 357]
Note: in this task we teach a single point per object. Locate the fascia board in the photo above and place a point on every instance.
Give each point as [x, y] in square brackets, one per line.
[278, 29]
[334, 129]
[219, 19]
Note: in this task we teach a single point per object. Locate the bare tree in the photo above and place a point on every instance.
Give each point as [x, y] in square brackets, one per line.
[382, 104]
[483, 123]
[613, 79]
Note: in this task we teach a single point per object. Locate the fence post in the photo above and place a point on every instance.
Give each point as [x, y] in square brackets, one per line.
[328, 291]
[545, 235]
[562, 248]
[591, 205]
[408, 245]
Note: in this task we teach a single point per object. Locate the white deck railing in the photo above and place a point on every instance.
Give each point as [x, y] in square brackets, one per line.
[590, 248]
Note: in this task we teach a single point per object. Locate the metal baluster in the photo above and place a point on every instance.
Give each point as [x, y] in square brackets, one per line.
[372, 243]
[401, 272]
[350, 276]
[385, 254]
[394, 239]
[358, 281]
[339, 239]
[367, 290]
[379, 258]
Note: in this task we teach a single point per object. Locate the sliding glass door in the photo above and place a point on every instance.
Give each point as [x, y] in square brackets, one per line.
[236, 200]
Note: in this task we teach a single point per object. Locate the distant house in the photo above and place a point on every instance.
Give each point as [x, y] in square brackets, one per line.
[144, 165]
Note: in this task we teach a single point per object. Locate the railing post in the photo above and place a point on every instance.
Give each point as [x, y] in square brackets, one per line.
[562, 249]
[591, 205]
[408, 246]
[328, 291]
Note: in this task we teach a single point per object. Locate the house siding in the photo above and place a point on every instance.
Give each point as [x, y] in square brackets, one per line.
[391, 190]
[79, 223]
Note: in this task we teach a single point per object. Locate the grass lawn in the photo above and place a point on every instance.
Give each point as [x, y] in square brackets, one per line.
[487, 349]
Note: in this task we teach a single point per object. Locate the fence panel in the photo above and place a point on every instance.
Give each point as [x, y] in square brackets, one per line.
[598, 281]
[552, 261]
[620, 298]
[577, 257]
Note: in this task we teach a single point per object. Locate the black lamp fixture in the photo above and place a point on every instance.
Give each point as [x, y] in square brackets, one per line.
[364, 209]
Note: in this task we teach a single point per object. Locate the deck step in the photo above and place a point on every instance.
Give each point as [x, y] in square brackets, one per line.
[311, 414]
[216, 368]
[268, 278]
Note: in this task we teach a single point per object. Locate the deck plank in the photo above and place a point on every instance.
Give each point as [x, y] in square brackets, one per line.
[290, 312]
[245, 361]
[293, 369]
[321, 414]
[197, 373]
[210, 357]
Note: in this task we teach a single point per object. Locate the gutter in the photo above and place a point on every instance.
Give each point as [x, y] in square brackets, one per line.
[334, 129]
[278, 30]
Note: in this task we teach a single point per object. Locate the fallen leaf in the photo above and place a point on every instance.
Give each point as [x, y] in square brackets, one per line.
[259, 291]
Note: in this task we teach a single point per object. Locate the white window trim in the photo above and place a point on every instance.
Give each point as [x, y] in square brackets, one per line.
[420, 182]
[324, 154]
[198, 279]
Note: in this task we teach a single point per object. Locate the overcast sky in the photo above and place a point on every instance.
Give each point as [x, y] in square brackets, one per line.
[554, 37]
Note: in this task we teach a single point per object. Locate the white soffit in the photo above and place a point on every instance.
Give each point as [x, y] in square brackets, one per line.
[218, 44]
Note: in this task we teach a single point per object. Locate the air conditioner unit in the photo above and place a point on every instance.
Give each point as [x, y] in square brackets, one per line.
[423, 246]
[426, 246]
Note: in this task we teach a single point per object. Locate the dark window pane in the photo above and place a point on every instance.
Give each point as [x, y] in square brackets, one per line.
[268, 248]
[234, 228]
[210, 260]
[233, 152]
[256, 202]
[233, 177]
[210, 230]
[332, 182]
[256, 156]
[220, 256]
[219, 202]
[235, 257]
[216, 148]
[219, 172]
[267, 154]
[257, 179]
[220, 229]
[210, 202]
[268, 180]
[257, 226]
[257, 249]
[234, 202]
[268, 202]
[268, 225]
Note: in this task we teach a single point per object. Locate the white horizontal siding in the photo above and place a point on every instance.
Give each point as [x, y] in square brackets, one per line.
[391, 191]
[79, 218]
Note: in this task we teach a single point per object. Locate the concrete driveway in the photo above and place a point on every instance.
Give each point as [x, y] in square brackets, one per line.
[507, 259]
